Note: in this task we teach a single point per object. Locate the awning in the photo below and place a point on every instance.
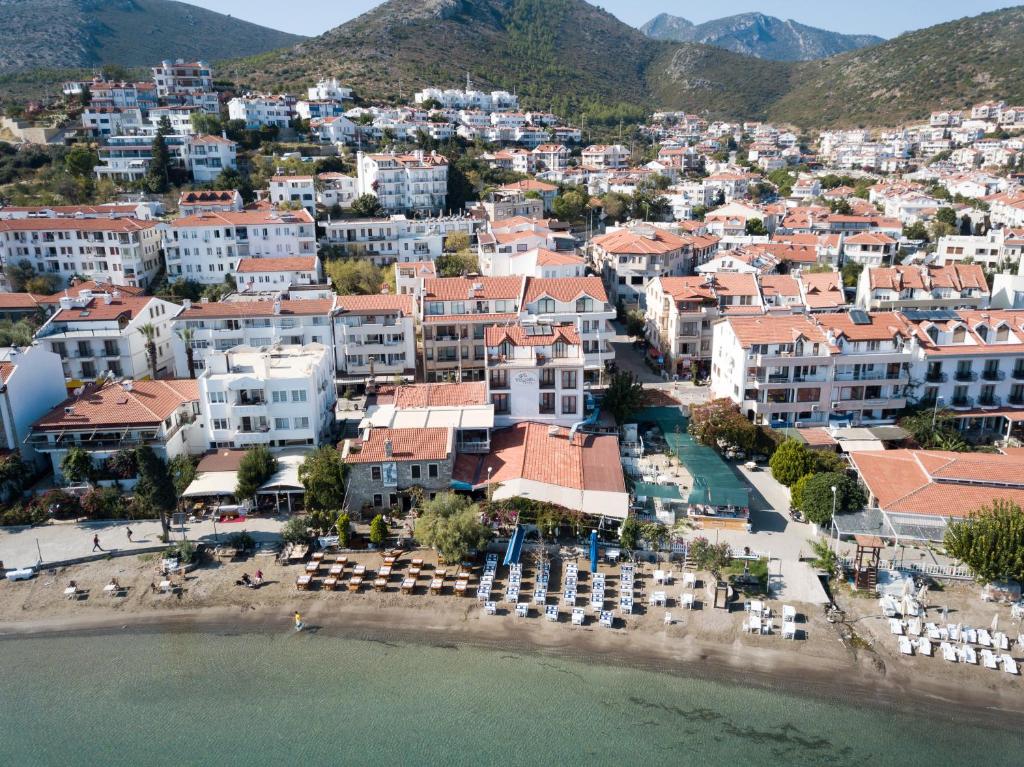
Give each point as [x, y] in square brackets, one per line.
[212, 483]
[593, 551]
[861, 445]
[515, 545]
[286, 478]
[646, 490]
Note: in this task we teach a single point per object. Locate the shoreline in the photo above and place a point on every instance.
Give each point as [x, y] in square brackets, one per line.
[856, 682]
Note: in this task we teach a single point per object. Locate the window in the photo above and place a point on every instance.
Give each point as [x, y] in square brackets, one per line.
[500, 402]
[546, 306]
[547, 402]
[298, 395]
[378, 500]
[547, 378]
[216, 396]
[301, 423]
[568, 379]
[220, 424]
[585, 305]
[569, 405]
[432, 470]
[415, 471]
[280, 423]
[279, 396]
[375, 474]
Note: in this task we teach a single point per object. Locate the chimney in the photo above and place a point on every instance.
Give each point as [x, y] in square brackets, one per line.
[116, 295]
[389, 448]
[65, 302]
[187, 303]
[277, 306]
[108, 299]
[127, 384]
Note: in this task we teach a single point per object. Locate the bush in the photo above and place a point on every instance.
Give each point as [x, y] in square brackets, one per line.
[295, 530]
[105, 503]
[816, 500]
[242, 541]
[343, 526]
[60, 505]
[796, 493]
[185, 551]
[990, 542]
[451, 524]
[256, 467]
[378, 531]
[713, 557]
[790, 462]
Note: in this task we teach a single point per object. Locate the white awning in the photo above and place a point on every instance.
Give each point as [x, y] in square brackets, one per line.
[860, 445]
[469, 417]
[212, 483]
[286, 478]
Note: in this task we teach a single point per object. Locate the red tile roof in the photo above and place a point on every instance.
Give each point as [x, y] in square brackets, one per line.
[496, 335]
[776, 330]
[310, 307]
[547, 257]
[98, 310]
[462, 288]
[870, 238]
[285, 264]
[884, 326]
[529, 185]
[416, 396]
[119, 225]
[632, 242]
[822, 290]
[110, 405]
[375, 304]
[96, 287]
[565, 289]
[20, 301]
[406, 445]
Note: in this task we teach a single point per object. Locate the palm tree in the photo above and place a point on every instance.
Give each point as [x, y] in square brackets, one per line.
[186, 335]
[149, 331]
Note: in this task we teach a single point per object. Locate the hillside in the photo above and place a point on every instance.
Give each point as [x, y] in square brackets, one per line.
[755, 34]
[37, 34]
[950, 65]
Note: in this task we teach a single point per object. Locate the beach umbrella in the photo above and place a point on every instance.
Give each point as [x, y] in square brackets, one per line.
[922, 594]
[945, 613]
[995, 623]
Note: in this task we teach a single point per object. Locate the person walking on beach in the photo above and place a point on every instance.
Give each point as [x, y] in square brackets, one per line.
[129, 531]
[299, 625]
[96, 543]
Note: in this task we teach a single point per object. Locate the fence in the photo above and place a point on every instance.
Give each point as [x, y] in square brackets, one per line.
[949, 572]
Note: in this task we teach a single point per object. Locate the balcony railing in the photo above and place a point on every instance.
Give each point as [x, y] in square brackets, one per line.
[961, 403]
[993, 375]
[1018, 374]
[966, 375]
[935, 377]
[1015, 400]
[992, 401]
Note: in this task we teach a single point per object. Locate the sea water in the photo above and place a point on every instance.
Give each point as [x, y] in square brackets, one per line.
[308, 699]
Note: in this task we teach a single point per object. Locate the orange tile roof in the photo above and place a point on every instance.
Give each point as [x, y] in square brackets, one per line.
[415, 396]
[687, 288]
[870, 238]
[98, 310]
[431, 444]
[266, 217]
[96, 287]
[547, 257]
[447, 319]
[779, 285]
[884, 326]
[776, 330]
[495, 335]
[119, 225]
[6, 368]
[565, 289]
[110, 405]
[956, 276]
[13, 301]
[631, 242]
[285, 264]
[735, 284]
[228, 309]
[822, 290]
[207, 197]
[375, 303]
[461, 288]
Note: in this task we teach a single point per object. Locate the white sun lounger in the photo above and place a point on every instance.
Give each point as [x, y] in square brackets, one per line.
[924, 646]
[689, 580]
[895, 626]
[789, 629]
[552, 613]
[905, 646]
[788, 613]
[988, 660]
[948, 652]
[754, 624]
[607, 619]
[1000, 641]
[968, 655]
[1010, 665]
[626, 605]
[914, 627]
[522, 609]
[932, 631]
[686, 600]
[578, 616]
[491, 608]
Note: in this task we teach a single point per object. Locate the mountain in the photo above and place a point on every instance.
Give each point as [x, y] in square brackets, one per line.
[38, 34]
[940, 67]
[755, 34]
[665, 26]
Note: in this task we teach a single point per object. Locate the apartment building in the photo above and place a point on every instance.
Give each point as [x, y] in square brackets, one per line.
[552, 156]
[536, 262]
[396, 239]
[374, 336]
[208, 247]
[870, 248]
[954, 286]
[219, 326]
[280, 396]
[108, 416]
[128, 157]
[455, 313]
[415, 182]
[260, 275]
[809, 370]
[629, 258]
[681, 313]
[535, 373]
[103, 122]
[200, 201]
[175, 78]
[32, 384]
[290, 191]
[329, 89]
[999, 249]
[206, 157]
[582, 302]
[121, 251]
[452, 98]
[99, 334]
[606, 157]
[259, 111]
[337, 189]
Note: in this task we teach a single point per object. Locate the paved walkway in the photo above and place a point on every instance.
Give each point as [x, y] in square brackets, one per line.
[20, 547]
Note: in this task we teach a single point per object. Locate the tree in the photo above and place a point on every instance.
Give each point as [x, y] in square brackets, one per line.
[796, 492]
[343, 525]
[990, 542]
[149, 331]
[322, 474]
[629, 534]
[80, 161]
[366, 206]
[636, 323]
[790, 462]
[13, 474]
[451, 524]
[456, 241]
[295, 530]
[616, 206]
[712, 557]
[352, 276]
[378, 530]
[183, 471]
[722, 420]
[756, 228]
[842, 207]
[186, 335]
[851, 273]
[205, 123]
[77, 465]
[457, 264]
[816, 497]
[256, 467]
[154, 492]
[158, 177]
[933, 428]
[947, 216]
[121, 464]
[19, 273]
[43, 284]
[624, 396]
[916, 231]
[571, 205]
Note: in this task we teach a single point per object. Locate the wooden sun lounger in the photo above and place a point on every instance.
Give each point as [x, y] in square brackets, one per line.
[408, 585]
[330, 583]
[312, 567]
[380, 584]
[436, 585]
[355, 583]
[303, 581]
[460, 587]
[336, 570]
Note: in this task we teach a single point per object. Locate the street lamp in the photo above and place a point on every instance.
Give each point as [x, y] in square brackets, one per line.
[834, 489]
[935, 410]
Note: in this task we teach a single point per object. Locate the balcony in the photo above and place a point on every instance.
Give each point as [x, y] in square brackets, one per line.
[965, 375]
[247, 399]
[1018, 374]
[937, 377]
[961, 403]
[1015, 400]
[990, 402]
[993, 375]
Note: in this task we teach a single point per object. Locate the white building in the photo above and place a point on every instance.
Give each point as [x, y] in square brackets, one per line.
[396, 239]
[175, 78]
[536, 262]
[33, 384]
[102, 122]
[196, 202]
[206, 157]
[955, 286]
[870, 248]
[337, 129]
[294, 190]
[279, 397]
[535, 373]
[468, 99]
[405, 182]
[629, 258]
[127, 158]
[337, 189]
[218, 326]
[207, 248]
[97, 334]
[375, 335]
[606, 157]
[999, 248]
[258, 111]
[329, 89]
[121, 251]
[260, 275]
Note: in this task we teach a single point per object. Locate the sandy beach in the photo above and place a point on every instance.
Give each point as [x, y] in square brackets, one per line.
[705, 642]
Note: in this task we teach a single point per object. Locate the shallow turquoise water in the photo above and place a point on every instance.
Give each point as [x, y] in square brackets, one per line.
[181, 699]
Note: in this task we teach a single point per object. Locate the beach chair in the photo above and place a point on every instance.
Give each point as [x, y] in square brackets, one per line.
[1009, 665]
[436, 584]
[686, 600]
[359, 570]
[896, 626]
[551, 613]
[924, 646]
[788, 630]
[330, 583]
[523, 610]
[607, 619]
[984, 638]
[312, 567]
[355, 583]
[408, 585]
[668, 619]
[301, 583]
[905, 646]
[988, 660]
[948, 652]
[491, 608]
[968, 655]
[460, 587]
[380, 584]
[578, 616]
